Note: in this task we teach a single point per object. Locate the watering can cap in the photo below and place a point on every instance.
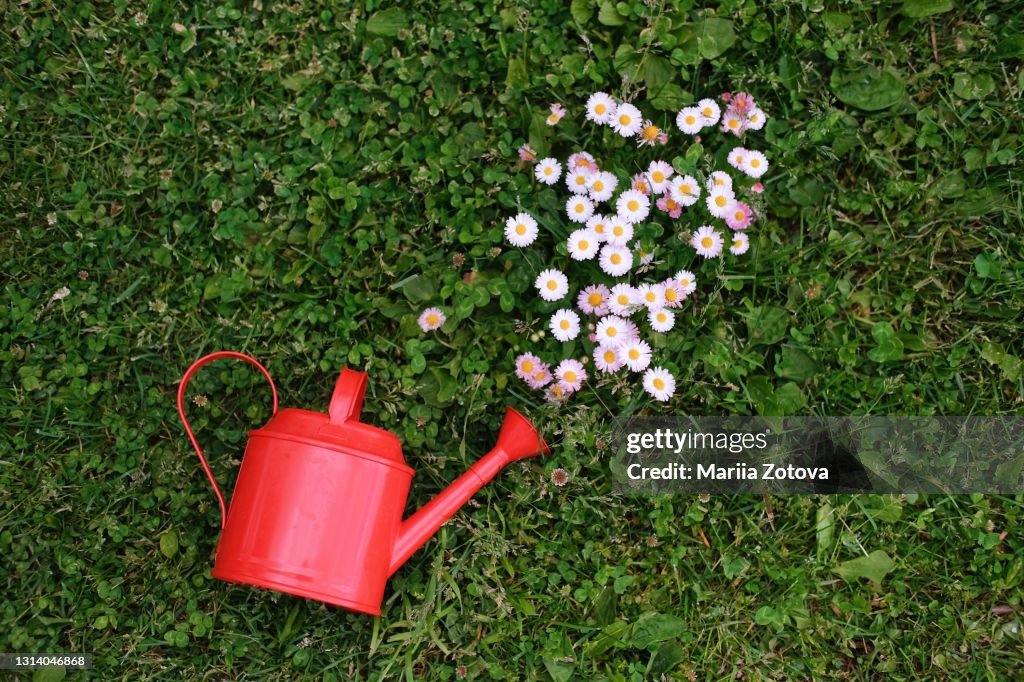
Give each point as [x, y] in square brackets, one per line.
[339, 429]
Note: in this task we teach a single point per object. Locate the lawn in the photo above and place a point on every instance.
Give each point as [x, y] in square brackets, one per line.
[298, 181]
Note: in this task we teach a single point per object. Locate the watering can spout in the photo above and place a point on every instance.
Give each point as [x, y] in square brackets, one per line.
[518, 440]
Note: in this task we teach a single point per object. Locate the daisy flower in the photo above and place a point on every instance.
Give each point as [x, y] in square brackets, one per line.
[521, 230]
[632, 332]
[627, 120]
[555, 393]
[576, 180]
[548, 171]
[579, 209]
[707, 242]
[709, 111]
[736, 157]
[602, 185]
[527, 153]
[616, 260]
[565, 325]
[690, 121]
[685, 189]
[636, 354]
[641, 183]
[740, 244]
[741, 103]
[658, 174]
[687, 280]
[570, 375]
[526, 365]
[659, 383]
[557, 112]
[674, 294]
[662, 319]
[600, 108]
[669, 205]
[583, 244]
[552, 284]
[733, 123]
[606, 359]
[649, 135]
[739, 216]
[611, 331]
[755, 119]
[651, 295]
[620, 231]
[599, 225]
[622, 299]
[720, 202]
[754, 164]
[719, 179]
[431, 319]
[645, 257]
[593, 300]
[633, 205]
[540, 378]
[582, 161]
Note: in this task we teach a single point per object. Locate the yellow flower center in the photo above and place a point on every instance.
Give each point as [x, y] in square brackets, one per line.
[634, 354]
[658, 176]
[611, 332]
[624, 119]
[581, 179]
[584, 245]
[599, 228]
[737, 243]
[615, 259]
[564, 324]
[552, 284]
[600, 108]
[685, 282]
[659, 383]
[720, 201]
[755, 162]
[598, 186]
[753, 118]
[650, 297]
[539, 376]
[520, 229]
[527, 366]
[570, 377]
[595, 299]
[547, 170]
[690, 120]
[662, 317]
[738, 215]
[623, 299]
[553, 118]
[580, 208]
[617, 230]
[719, 182]
[670, 295]
[432, 320]
[707, 111]
[609, 356]
[684, 189]
[557, 391]
[633, 205]
[651, 132]
[707, 242]
[733, 123]
[739, 158]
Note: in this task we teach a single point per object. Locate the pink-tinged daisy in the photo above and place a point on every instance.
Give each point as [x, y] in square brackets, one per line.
[632, 205]
[600, 108]
[599, 225]
[719, 179]
[720, 201]
[632, 331]
[557, 112]
[548, 171]
[641, 184]
[685, 189]
[565, 325]
[616, 260]
[651, 295]
[576, 180]
[649, 135]
[707, 242]
[521, 230]
[606, 359]
[570, 375]
[756, 119]
[658, 174]
[612, 330]
[540, 377]
[659, 383]
[733, 123]
[622, 299]
[552, 284]
[754, 164]
[602, 185]
[741, 103]
[669, 205]
[582, 161]
[636, 354]
[527, 153]
[526, 365]
[579, 209]
[627, 120]
[736, 157]
[555, 393]
[690, 121]
[559, 477]
[583, 244]
[593, 300]
[431, 319]
[662, 319]
[739, 216]
[620, 231]
[687, 280]
[757, 188]
[709, 111]
[674, 294]
[740, 244]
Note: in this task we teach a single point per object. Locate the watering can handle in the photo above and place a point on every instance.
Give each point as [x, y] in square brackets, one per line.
[220, 355]
[347, 399]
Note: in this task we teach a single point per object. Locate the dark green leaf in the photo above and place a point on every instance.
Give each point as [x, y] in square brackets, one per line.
[917, 9]
[387, 22]
[874, 567]
[869, 89]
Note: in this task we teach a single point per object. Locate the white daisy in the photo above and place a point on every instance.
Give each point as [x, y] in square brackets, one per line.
[620, 231]
[622, 299]
[740, 243]
[521, 230]
[732, 123]
[576, 181]
[674, 295]
[583, 244]
[552, 284]
[659, 383]
[685, 190]
[602, 185]
[756, 119]
[754, 164]
[709, 111]
[606, 359]
[707, 241]
[612, 330]
[645, 257]
[690, 120]
[719, 179]
[651, 295]
[548, 171]
[570, 375]
[736, 156]
[616, 260]
[687, 280]
[719, 202]
[565, 325]
[599, 225]
[633, 205]
[627, 120]
[600, 108]
[579, 209]
[662, 319]
[658, 175]
[636, 354]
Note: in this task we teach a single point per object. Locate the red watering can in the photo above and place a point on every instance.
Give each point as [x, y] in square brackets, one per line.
[317, 506]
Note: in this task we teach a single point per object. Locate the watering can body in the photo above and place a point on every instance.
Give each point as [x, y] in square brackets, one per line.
[317, 506]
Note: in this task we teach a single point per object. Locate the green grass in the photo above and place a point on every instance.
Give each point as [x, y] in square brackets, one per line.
[361, 161]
